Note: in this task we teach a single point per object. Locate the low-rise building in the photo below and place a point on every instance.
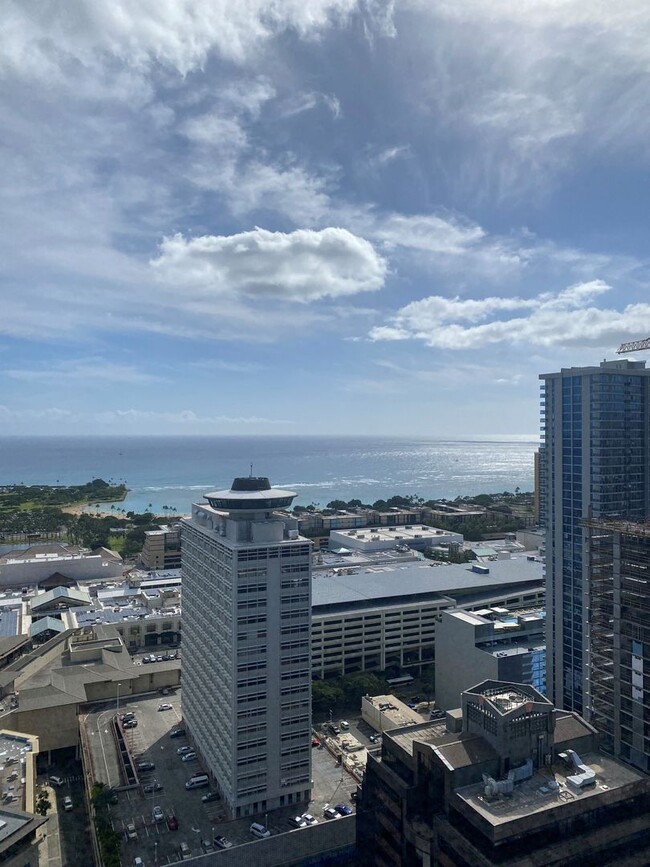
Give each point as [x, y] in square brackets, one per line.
[489, 644]
[417, 537]
[30, 567]
[385, 617]
[510, 780]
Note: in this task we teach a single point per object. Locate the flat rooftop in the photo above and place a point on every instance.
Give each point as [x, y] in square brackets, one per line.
[419, 578]
[533, 796]
[407, 533]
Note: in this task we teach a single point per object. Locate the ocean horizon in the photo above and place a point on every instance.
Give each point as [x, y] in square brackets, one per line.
[175, 470]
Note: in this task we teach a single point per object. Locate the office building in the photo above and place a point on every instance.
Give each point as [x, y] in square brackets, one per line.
[594, 462]
[489, 644]
[507, 780]
[162, 548]
[246, 646]
[619, 638]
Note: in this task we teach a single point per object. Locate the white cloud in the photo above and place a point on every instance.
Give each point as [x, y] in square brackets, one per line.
[89, 369]
[559, 319]
[180, 35]
[304, 265]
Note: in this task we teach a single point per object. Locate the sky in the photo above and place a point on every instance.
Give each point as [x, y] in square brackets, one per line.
[316, 216]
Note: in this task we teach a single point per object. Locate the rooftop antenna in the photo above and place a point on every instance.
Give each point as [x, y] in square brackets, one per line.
[251, 475]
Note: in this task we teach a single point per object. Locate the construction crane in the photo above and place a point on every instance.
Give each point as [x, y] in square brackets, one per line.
[633, 346]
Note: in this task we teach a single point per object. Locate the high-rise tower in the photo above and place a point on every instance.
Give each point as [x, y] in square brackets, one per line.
[246, 645]
[593, 463]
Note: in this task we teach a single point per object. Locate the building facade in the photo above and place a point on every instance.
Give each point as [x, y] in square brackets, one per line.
[246, 646]
[489, 644]
[594, 462]
[510, 781]
[162, 548]
[619, 638]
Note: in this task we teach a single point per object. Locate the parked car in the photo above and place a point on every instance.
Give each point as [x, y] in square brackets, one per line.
[354, 796]
[165, 705]
[258, 830]
[186, 852]
[374, 739]
[125, 717]
[172, 822]
[165, 691]
[157, 814]
[207, 846]
[152, 787]
[130, 724]
[309, 819]
[210, 796]
[57, 781]
[221, 842]
[343, 809]
[315, 742]
[67, 803]
[146, 766]
[298, 821]
[181, 751]
[131, 833]
[330, 813]
[345, 725]
[138, 862]
[177, 733]
[189, 757]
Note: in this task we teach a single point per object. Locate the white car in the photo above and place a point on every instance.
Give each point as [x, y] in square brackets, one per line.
[309, 819]
[165, 705]
[298, 821]
[181, 751]
[67, 803]
[258, 830]
[158, 814]
[188, 757]
[138, 862]
[131, 833]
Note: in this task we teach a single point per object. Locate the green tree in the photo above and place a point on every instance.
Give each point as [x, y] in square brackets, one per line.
[43, 803]
[326, 695]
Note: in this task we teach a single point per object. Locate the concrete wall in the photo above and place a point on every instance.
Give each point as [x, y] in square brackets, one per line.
[55, 727]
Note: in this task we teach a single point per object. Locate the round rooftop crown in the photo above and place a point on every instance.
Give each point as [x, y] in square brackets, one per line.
[251, 494]
[251, 483]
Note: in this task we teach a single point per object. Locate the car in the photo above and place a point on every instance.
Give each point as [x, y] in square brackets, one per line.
[330, 813]
[165, 691]
[57, 781]
[309, 819]
[125, 717]
[374, 739]
[131, 833]
[172, 822]
[177, 733]
[298, 821]
[165, 705]
[207, 846]
[315, 742]
[344, 724]
[138, 862]
[354, 796]
[221, 842]
[260, 831]
[146, 766]
[210, 796]
[181, 751]
[67, 803]
[130, 724]
[157, 814]
[152, 787]
[186, 852]
[343, 810]
[189, 757]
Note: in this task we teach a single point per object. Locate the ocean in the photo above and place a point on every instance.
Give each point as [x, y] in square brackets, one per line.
[175, 471]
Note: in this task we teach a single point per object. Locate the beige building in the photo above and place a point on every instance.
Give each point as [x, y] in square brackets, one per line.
[162, 548]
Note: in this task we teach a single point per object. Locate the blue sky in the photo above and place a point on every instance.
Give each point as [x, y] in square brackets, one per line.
[316, 216]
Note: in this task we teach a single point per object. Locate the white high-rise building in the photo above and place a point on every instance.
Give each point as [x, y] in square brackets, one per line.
[246, 645]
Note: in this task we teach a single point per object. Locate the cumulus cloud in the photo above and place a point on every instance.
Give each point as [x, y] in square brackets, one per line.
[304, 265]
[566, 318]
